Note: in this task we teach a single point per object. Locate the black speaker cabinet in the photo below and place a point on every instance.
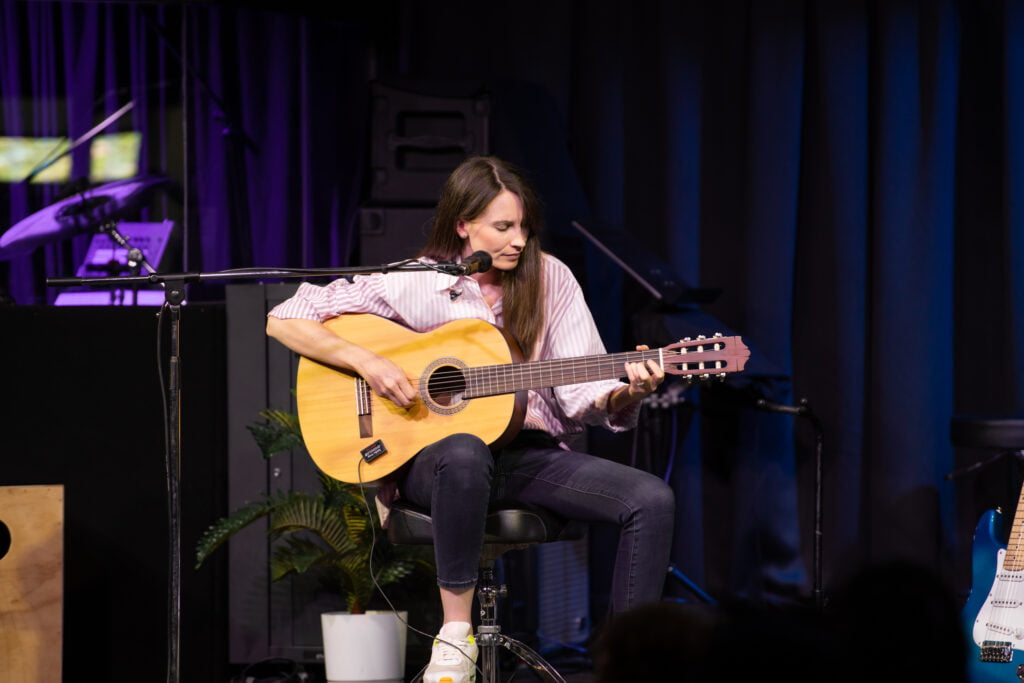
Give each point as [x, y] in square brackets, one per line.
[391, 234]
[418, 139]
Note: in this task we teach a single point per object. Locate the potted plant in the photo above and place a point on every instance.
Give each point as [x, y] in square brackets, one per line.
[336, 534]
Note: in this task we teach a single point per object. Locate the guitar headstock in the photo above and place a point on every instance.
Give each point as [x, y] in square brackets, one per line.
[705, 357]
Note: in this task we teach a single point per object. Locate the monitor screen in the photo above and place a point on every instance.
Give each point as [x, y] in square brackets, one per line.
[19, 156]
[114, 156]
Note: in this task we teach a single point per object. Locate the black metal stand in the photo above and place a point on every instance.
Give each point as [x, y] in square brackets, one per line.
[667, 402]
[819, 595]
[490, 637]
[174, 295]
[803, 409]
[673, 571]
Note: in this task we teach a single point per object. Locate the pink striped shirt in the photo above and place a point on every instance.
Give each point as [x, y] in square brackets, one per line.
[424, 300]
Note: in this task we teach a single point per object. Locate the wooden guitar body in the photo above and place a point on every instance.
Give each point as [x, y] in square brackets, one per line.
[337, 429]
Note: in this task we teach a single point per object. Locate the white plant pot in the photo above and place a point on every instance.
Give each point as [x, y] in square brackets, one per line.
[364, 648]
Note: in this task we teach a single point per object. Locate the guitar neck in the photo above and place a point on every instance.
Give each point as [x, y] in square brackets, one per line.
[492, 380]
[1014, 559]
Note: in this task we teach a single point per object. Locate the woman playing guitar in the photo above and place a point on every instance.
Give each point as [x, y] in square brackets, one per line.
[488, 205]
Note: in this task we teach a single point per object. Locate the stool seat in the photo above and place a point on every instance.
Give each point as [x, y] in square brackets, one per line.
[987, 431]
[512, 524]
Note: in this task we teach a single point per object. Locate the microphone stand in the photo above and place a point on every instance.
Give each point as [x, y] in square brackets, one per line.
[175, 289]
[804, 410]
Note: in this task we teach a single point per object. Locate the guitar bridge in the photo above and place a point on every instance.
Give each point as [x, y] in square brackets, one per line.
[365, 420]
[998, 651]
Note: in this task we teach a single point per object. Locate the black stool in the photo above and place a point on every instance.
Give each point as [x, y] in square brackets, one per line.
[507, 527]
[974, 431]
[989, 438]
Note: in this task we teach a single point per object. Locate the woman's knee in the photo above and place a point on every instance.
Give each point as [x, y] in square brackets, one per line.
[666, 498]
[463, 446]
[656, 497]
[463, 451]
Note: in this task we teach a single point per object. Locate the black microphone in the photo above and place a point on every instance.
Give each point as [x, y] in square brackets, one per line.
[477, 262]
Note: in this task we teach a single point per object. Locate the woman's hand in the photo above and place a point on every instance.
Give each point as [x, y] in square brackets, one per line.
[644, 379]
[385, 378]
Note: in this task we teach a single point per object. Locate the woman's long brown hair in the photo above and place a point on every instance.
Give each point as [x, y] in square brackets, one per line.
[465, 196]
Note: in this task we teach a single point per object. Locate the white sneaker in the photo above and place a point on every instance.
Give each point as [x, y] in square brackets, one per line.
[450, 664]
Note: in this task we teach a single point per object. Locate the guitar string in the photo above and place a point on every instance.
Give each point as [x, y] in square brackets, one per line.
[478, 386]
[1016, 566]
[995, 630]
[1011, 562]
[513, 374]
[484, 382]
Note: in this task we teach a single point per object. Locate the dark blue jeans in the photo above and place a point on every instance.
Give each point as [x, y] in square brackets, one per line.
[458, 477]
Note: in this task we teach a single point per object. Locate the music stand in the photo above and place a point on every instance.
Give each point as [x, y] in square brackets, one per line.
[132, 247]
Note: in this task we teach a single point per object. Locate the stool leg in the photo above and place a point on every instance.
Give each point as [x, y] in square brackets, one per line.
[528, 655]
[488, 592]
[490, 637]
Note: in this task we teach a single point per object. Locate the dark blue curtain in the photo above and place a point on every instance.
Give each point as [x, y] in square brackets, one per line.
[847, 175]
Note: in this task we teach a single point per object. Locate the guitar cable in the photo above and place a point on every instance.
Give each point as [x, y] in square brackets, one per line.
[373, 577]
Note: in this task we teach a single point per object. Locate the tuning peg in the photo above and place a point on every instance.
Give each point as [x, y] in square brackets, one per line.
[719, 334]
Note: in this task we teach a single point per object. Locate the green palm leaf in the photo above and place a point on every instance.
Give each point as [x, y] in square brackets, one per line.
[313, 514]
[279, 433]
[226, 527]
[333, 531]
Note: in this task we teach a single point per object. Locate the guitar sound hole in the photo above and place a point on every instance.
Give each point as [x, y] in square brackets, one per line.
[447, 385]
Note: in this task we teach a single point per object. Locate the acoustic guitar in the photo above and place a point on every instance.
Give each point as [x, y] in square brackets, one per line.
[471, 379]
[993, 616]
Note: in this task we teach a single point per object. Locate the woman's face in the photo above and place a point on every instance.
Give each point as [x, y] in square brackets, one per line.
[498, 230]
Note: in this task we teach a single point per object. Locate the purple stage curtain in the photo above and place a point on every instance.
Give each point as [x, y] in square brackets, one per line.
[257, 119]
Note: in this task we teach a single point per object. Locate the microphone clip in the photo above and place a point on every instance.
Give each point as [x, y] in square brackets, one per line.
[477, 262]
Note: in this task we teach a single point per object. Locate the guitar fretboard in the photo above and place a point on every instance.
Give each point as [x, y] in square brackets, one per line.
[1014, 560]
[492, 380]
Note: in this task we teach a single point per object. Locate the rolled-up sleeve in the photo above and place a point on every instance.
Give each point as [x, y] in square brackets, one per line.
[321, 302]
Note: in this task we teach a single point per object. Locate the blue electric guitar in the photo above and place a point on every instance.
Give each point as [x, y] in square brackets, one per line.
[993, 617]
